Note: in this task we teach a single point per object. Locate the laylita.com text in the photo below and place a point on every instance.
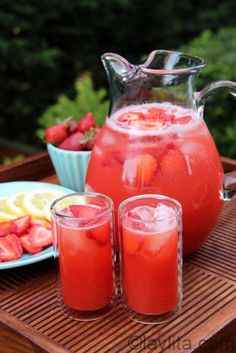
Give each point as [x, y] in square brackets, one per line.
[178, 344]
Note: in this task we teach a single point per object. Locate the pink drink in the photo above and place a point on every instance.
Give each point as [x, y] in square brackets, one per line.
[150, 259]
[85, 260]
[162, 149]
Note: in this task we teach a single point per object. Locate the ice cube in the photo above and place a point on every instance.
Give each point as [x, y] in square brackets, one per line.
[164, 218]
[145, 213]
[162, 211]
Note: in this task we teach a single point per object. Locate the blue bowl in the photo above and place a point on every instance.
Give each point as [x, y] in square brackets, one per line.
[70, 166]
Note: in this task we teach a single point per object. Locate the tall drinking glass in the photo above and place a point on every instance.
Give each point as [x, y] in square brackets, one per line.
[151, 257]
[83, 246]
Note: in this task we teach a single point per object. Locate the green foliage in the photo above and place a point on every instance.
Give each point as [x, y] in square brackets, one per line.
[218, 50]
[10, 160]
[87, 99]
[45, 45]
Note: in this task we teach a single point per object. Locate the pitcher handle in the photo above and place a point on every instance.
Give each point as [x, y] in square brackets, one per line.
[229, 191]
[229, 188]
[214, 87]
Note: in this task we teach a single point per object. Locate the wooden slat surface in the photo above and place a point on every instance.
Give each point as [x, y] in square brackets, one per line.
[28, 301]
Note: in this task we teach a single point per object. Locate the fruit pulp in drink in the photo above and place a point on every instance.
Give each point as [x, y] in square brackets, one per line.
[85, 263]
[150, 262]
[161, 149]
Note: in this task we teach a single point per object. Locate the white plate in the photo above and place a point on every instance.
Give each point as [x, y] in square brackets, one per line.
[15, 186]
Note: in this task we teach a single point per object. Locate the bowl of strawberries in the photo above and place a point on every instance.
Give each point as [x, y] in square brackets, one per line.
[69, 145]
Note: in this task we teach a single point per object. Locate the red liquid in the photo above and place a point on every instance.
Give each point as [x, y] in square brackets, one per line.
[150, 281]
[85, 262]
[177, 159]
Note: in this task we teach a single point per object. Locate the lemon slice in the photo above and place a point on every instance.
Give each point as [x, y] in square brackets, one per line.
[5, 214]
[62, 204]
[35, 201]
[14, 203]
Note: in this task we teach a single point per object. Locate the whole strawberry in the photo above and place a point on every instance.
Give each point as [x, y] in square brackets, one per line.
[73, 142]
[56, 133]
[72, 126]
[86, 122]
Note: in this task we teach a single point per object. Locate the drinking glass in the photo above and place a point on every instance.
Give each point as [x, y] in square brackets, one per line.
[83, 247]
[150, 229]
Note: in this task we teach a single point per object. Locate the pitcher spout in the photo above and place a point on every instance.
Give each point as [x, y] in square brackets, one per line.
[115, 65]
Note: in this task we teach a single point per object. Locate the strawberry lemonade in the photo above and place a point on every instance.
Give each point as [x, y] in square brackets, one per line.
[150, 253]
[83, 238]
[161, 149]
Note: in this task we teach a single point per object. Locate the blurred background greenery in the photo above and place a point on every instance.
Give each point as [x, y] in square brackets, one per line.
[50, 58]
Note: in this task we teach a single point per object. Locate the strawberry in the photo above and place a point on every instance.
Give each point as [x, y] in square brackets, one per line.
[83, 210]
[41, 222]
[169, 119]
[27, 246]
[86, 122]
[139, 171]
[135, 220]
[85, 214]
[148, 124]
[15, 243]
[101, 234]
[183, 120]
[6, 228]
[73, 142]
[7, 252]
[72, 126]
[56, 133]
[131, 243]
[130, 117]
[173, 163]
[156, 112]
[22, 224]
[40, 236]
[90, 137]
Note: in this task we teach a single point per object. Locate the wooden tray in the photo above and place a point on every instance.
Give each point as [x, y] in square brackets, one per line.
[30, 320]
[28, 304]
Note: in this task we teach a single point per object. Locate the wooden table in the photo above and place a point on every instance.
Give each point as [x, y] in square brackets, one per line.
[30, 320]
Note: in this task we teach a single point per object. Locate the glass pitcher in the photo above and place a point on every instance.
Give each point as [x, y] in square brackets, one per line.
[156, 141]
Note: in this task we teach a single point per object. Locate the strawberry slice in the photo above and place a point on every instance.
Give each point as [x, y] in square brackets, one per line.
[22, 224]
[56, 133]
[40, 236]
[130, 117]
[86, 122]
[140, 170]
[41, 222]
[173, 163]
[7, 252]
[6, 228]
[15, 243]
[84, 210]
[183, 120]
[169, 119]
[73, 142]
[27, 246]
[131, 242]
[156, 112]
[134, 220]
[149, 124]
[101, 234]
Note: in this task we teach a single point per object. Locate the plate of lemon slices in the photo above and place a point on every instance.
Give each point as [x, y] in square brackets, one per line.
[25, 221]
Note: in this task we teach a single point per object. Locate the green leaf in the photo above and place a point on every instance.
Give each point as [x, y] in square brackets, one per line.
[87, 99]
